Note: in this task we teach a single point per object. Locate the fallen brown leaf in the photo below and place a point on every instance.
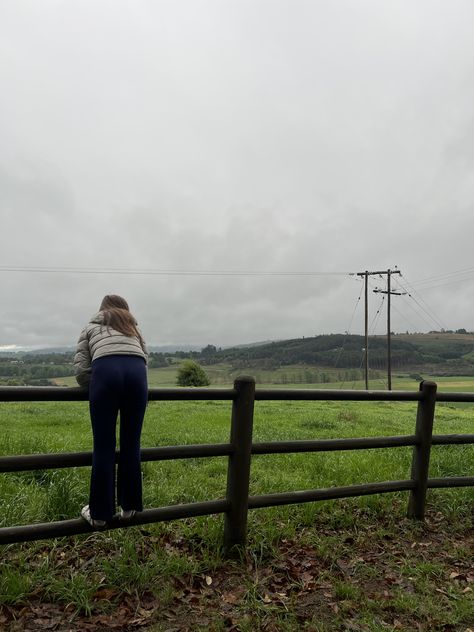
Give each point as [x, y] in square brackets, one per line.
[105, 594]
[231, 597]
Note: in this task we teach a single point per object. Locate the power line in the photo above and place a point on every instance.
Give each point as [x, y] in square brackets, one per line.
[178, 272]
[428, 311]
[354, 310]
[441, 280]
[164, 272]
[404, 317]
[438, 277]
[454, 281]
[376, 318]
[348, 330]
[435, 320]
[412, 305]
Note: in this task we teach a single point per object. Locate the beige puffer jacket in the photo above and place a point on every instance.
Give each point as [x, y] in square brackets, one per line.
[96, 341]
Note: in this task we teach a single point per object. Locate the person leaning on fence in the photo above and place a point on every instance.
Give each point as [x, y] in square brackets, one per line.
[111, 359]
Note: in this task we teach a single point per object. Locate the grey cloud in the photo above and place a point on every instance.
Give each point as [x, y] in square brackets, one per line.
[246, 135]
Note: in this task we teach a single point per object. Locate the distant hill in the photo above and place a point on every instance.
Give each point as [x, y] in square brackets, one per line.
[249, 344]
[446, 353]
[50, 350]
[434, 353]
[173, 348]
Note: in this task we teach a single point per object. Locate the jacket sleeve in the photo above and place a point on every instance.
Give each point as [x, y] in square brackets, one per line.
[143, 346]
[82, 360]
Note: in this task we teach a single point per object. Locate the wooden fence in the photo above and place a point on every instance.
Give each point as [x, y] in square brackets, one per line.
[239, 452]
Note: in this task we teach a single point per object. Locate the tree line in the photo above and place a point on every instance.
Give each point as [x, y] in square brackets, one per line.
[320, 355]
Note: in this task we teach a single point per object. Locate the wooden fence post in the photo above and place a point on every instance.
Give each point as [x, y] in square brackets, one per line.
[422, 449]
[238, 472]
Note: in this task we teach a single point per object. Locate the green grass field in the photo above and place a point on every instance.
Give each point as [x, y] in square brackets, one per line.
[295, 376]
[119, 563]
[47, 427]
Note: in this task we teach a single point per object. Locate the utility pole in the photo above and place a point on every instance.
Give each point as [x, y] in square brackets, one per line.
[389, 293]
[366, 275]
[366, 328]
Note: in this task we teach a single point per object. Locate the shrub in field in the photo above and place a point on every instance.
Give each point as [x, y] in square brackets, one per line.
[191, 374]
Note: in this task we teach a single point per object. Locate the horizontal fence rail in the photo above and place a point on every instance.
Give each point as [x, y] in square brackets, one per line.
[63, 460]
[28, 462]
[306, 394]
[75, 394]
[9, 535]
[241, 449]
[290, 498]
[63, 394]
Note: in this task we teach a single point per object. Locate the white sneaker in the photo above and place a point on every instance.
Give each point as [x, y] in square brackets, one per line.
[127, 514]
[86, 514]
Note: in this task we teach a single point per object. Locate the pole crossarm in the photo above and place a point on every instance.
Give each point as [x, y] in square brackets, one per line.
[377, 291]
[379, 272]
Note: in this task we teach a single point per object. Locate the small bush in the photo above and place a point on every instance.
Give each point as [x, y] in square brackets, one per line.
[191, 374]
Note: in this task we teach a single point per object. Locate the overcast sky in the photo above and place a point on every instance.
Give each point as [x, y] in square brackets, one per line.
[307, 136]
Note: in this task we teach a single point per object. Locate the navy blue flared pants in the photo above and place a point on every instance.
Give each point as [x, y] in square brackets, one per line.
[118, 384]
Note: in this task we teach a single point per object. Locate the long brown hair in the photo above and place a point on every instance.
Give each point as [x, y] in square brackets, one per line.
[116, 314]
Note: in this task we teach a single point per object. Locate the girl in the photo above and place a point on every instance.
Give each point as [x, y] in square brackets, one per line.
[111, 359]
